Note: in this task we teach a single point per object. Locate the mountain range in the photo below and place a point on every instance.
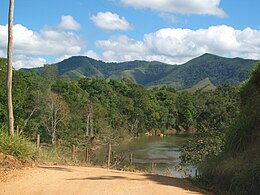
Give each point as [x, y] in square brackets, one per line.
[203, 71]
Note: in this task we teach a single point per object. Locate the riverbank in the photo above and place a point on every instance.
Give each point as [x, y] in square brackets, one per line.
[159, 155]
[89, 180]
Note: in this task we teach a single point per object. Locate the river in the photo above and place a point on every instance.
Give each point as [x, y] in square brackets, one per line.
[159, 155]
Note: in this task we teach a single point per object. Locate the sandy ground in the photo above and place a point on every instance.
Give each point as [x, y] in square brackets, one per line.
[85, 180]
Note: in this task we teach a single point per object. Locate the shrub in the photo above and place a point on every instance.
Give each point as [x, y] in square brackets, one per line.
[17, 146]
[238, 135]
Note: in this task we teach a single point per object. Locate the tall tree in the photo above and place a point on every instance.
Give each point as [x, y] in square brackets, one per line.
[56, 113]
[9, 69]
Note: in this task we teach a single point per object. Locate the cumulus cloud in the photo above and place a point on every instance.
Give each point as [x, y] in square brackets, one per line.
[205, 7]
[121, 48]
[110, 21]
[22, 61]
[92, 54]
[68, 23]
[61, 58]
[176, 45]
[55, 42]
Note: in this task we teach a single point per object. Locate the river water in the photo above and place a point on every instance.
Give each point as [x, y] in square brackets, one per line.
[159, 155]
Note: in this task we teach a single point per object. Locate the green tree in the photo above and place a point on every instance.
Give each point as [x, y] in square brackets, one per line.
[186, 110]
[3, 102]
[216, 110]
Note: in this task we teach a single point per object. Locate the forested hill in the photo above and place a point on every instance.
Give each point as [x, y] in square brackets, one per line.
[214, 69]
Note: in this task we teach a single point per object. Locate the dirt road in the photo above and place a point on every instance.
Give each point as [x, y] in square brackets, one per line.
[85, 180]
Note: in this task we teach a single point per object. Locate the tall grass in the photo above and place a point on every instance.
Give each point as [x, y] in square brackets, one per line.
[231, 175]
[239, 134]
[60, 155]
[17, 146]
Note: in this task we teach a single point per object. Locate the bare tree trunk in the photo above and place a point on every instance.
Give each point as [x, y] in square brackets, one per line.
[26, 121]
[54, 125]
[87, 127]
[9, 69]
[91, 125]
[91, 122]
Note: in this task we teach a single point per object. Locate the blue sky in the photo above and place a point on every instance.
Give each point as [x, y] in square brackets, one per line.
[171, 31]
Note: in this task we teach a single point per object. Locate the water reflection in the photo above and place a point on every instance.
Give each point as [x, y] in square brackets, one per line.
[157, 154]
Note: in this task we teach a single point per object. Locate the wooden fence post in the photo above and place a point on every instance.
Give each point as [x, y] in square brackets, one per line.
[109, 155]
[152, 166]
[131, 159]
[87, 155]
[38, 141]
[73, 152]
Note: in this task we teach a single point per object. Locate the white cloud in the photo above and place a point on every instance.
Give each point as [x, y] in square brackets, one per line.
[55, 41]
[92, 54]
[21, 61]
[68, 23]
[121, 48]
[201, 7]
[110, 21]
[173, 45]
[61, 58]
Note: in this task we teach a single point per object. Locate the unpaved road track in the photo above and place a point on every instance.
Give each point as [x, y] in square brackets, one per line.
[55, 180]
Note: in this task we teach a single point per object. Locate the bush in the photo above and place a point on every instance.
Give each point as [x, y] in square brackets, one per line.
[17, 146]
[239, 134]
[207, 142]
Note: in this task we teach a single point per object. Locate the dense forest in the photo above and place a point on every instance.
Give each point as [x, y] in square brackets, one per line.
[70, 111]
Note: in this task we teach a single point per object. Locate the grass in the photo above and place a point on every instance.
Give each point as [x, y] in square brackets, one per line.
[238, 135]
[60, 155]
[130, 168]
[23, 149]
[230, 175]
[17, 146]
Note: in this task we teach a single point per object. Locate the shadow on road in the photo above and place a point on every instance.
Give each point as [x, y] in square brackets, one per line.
[162, 180]
[56, 168]
[176, 182]
[100, 178]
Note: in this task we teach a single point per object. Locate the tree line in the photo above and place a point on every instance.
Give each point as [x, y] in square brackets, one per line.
[75, 111]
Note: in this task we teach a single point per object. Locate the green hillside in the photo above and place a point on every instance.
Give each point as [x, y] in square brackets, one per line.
[219, 70]
[216, 69]
[204, 84]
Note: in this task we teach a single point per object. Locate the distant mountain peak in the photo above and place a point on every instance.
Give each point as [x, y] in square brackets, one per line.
[208, 55]
[219, 70]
